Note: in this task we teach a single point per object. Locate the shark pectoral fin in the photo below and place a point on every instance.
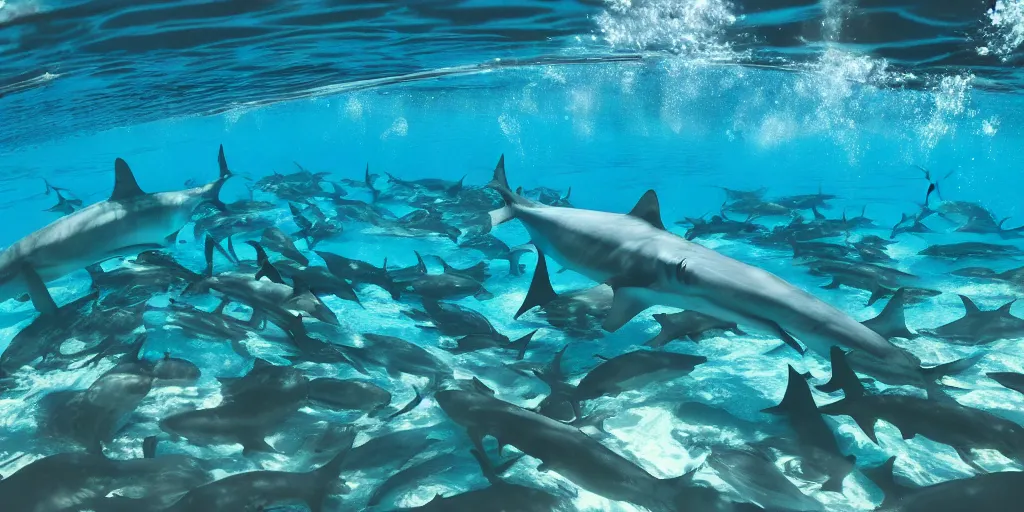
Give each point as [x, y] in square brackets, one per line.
[37, 291]
[833, 285]
[789, 340]
[125, 186]
[626, 304]
[648, 209]
[501, 215]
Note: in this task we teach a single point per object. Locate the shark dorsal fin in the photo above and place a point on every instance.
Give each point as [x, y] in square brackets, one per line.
[222, 162]
[970, 306]
[843, 376]
[125, 186]
[299, 287]
[1005, 308]
[421, 266]
[647, 208]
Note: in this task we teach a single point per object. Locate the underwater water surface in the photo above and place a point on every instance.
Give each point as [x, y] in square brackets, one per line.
[342, 315]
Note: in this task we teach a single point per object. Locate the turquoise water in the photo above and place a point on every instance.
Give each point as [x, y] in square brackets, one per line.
[680, 97]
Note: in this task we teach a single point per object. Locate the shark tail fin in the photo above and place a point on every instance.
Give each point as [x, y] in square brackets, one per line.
[225, 173]
[892, 322]
[520, 344]
[835, 481]
[882, 476]
[797, 397]
[500, 184]
[491, 473]
[540, 292]
[843, 377]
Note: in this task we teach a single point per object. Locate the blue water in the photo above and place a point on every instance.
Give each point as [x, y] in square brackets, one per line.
[608, 99]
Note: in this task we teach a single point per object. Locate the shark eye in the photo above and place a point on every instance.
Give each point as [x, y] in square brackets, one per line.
[681, 272]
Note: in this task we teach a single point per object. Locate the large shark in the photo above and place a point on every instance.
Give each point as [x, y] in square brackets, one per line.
[646, 265]
[129, 222]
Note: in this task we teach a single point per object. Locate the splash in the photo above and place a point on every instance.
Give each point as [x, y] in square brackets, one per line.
[399, 128]
[952, 95]
[694, 28]
[1005, 31]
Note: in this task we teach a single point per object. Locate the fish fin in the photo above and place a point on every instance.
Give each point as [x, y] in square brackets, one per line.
[798, 394]
[648, 209]
[834, 483]
[208, 254]
[521, 344]
[843, 377]
[367, 179]
[833, 285]
[37, 291]
[326, 475]
[817, 215]
[300, 287]
[409, 406]
[257, 444]
[540, 292]
[501, 215]
[149, 447]
[269, 271]
[486, 467]
[882, 477]
[892, 322]
[1005, 308]
[877, 294]
[421, 267]
[969, 305]
[626, 304]
[951, 368]
[125, 186]
[231, 250]
[514, 267]
[789, 340]
[456, 188]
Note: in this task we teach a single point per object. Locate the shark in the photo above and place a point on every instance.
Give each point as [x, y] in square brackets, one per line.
[129, 222]
[647, 265]
[573, 454]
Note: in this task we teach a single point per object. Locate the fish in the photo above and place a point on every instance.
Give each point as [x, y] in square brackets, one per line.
[270, 298]
[971, 250]
[64, 205]
[357, 271]
[757, 479]
[70, 482]
[1009, 380]
[494, 249]
[398, 356]
[475, 342]
[214, 326]
[278, 241]
[258, 490]
[93, 416]
[254, 407]
[634, 370]
[353, 394]
[571, 453]
[499, 496]
[647, 265]
[453, 320]
[979, 327]
[320, 280]
[410, 475]
[579, 313]
[127, 223]
[688, 325]
[939, 418]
